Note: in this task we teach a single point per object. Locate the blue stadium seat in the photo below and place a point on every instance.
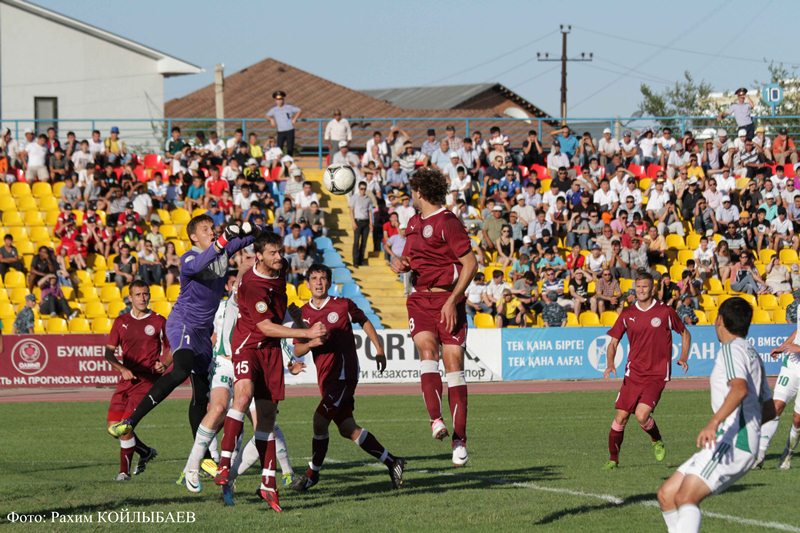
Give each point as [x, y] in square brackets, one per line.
[335, 290]
[351, 290]
[333, 260]
[376, 320]
[363, 304]
[342, 275]
[323, 243]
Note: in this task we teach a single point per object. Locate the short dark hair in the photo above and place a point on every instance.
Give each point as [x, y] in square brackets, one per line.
[266, 238]
[174, 129]
[319, 267]
[191, 227]
[430, 184]
[8, 236]
[736, 315]
[138, 283]
[644, 274]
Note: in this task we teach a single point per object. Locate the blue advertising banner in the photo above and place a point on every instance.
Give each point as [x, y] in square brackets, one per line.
[580, 352]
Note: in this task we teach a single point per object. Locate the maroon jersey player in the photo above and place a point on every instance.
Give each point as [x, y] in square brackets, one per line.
[439, 255]
[337, 376]
[139, 336]
[649, 325]
[258, 359]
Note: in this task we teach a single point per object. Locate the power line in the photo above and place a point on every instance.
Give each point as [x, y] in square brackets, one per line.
[645, 74]
[640, 77]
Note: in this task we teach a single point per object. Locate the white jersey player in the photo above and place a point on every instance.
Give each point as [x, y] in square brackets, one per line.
[729, 442]
[786, 388]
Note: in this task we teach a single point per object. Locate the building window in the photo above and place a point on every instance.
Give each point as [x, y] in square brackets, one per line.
[46, 112]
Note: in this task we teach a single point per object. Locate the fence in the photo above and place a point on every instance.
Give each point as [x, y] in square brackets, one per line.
[146, 135]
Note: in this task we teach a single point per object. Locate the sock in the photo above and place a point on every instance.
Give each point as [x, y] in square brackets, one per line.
[182, 361]
[268, 461]
[319, 448]
[431, 382]
[457, 397]
[688, 518]
[213, 447]
[768, 430]
[370, 444]
[141, 448]
[671, 519]
[234, 422]
[615, 437]
[198, 406]
[201, 441]
[651, 429]
[126, 448]
[794, 437]
[282, 451]
[245, 459]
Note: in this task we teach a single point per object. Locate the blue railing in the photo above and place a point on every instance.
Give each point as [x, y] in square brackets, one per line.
[150, 134]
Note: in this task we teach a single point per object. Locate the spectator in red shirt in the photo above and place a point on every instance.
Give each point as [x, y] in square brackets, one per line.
[215, 186]
[575, 260]
[390, 228]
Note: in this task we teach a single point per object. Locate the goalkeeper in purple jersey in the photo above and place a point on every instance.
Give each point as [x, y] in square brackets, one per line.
[191, 322]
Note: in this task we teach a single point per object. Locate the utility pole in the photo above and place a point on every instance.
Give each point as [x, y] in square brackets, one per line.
[219, 98]
[565, 29]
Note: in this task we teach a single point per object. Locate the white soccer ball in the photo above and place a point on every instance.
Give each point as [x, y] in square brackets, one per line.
[339, 179]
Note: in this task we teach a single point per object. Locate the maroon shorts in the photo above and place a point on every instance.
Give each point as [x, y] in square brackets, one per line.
[338, 400]
[264, 366]
[127, 396]
[632, 393]
[424, 314]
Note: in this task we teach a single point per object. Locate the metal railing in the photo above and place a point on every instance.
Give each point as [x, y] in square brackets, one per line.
[149, 135]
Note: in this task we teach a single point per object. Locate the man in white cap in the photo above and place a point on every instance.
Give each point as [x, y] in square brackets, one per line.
[345, 157]
[677, 160]
[741, 137]
[449, 170]
[763, 143]
[525, 213]
[741, 110]
[608, 147]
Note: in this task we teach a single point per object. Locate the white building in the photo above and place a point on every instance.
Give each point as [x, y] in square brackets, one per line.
[55, 68]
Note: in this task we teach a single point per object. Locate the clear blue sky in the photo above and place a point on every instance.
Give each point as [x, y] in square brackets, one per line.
[372, 44]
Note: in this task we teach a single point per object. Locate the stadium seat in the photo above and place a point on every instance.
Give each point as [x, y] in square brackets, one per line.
[644, 184]
[56, 325]
[152, 161]
[484, 320]
[110, 293]
[83, 278]
[572, 320]
[778, 316]
[12, 218]
[27, 203]
[51, 217]
[761, 317]
[79, 325]
[57, 189]
[5, 190]
[38, 327]
[608, 318]
[101, 325]
[48, 203]
[323, 243]
[702, 319]
[749, 298]
[768, 302]
[675, 241]
[94, 309]
[33, 218]
[715, 288]
[693, 241]
[342, 275]
[787, 255]
[7, 203]
[707, 302]
[785, 299]
[162, 308]
[20, 189]
[172, 292]
[589, 318]
[303, 292]
[41, 189]
[683, 255]
[97, 262]
[157, 293]
[14, 279]
[180, 216]
[349, 290]
[197, 211]
[114, 309]
[169, 231]
[765, 256]
[20, 233]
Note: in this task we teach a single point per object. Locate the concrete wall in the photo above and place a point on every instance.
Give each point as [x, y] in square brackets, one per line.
[89, 76]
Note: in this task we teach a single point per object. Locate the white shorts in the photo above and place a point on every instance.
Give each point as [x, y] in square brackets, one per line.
[222, 377]
[787, 385]
[719, 467]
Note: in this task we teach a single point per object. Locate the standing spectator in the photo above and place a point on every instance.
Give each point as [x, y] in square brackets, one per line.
[553, 315]
[361, 213]
[395, 244]
[9, 256]
[531, 150]
[36, 160]
[284, 116]
[125, 267]
[23, 324]
[150, 269]
[741, 111]
[429, 146]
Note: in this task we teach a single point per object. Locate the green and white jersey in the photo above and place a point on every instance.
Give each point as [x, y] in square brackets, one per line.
[793, 359]
[224, 324]
[739, 360]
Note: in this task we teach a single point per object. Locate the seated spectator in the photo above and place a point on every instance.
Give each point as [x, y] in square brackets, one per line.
[42, 264]
[704, 258]
[316, 220]
[35, 157]
[520, 267]
[9, 256]
[595, 262]
[125, 267]
[525, 290]
[656, 247]
[495, 288]
[608, 296]
[551, 261]
[216, 214]
[783, 235]
[53, 300]
[396, 178]
[142, 202]
[686, 312]
[115, 149]
[293, 241]
[690, 283]
[579, 292]
[778, 278]
[304, 198]
[58, 166]
[171, 263]
[23, 324]
[509, 311]
[634, 259]
[505, 247]
[300, 263]
[575, 260]
[154, 236]
[150, 269]
[667, 291]
[553, 314]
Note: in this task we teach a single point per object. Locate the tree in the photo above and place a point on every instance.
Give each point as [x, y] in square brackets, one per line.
[789, 82]
[685, 98]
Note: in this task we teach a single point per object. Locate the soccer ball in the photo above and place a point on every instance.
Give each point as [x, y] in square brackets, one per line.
[339, 179]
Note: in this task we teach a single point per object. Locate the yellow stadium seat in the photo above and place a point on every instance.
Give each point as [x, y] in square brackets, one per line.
[722, 297]
[157, 293]
[4, 189]
[787, 256]
[661, 269]
[48, 203]
[197, 211]
[97, 262]
[94, 309]
[7, 309]
[644, 184]
[172, 292]
[545, 184]
[749, 298]
[675, 241]
[779, 316]
[14, 279]
[702, 319]
[625, 284]
[13, 218]
[164, 215]
[27, 203]
[785, 299]
[39, 234]
[180, 246]
[483, 320]
[20, 189]
[69, 293]
[20, 233]
[101, 325]
[115, 308]
[765, 256]
[608, 318]
[761, 268]
[180, 216]
[685, 255]
[714, 287]
[25, 247]
[56, 325]
[588, 318]
[41, 189]
[51, 218]
[291, 291]
[169, 232]
[741, 183]
[572, 320]
[711, 315]
[693, 241]
[8, 325]
[707, 302]
[181, 229]
[57, 189]
[38, 327]
[78, 216]
[79, 325]
[110, 293]
[303, 292]
[761, 317]
[83, 277]
[87, 293]
[33, 218]
[7, 203]
[162, 308]
[768, 302]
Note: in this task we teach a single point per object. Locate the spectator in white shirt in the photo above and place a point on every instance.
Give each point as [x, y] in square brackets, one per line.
[604, 197]
[272, 153]
[232, 144]
[725, 182]
[678, 159]
[304, 198]
[712, 195]
[665, 145]
[657, 199]
[382, 154]
[628, 149]
[647, 148]
[608, 147]
[35, 165]
[96, 146]
[336, 131]
[556, 160]
[779, 179]
[726, 212]
[214, 145]
[345, 157]
[405, 211]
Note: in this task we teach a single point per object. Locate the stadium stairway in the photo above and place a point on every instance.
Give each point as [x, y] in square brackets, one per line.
[374, 289]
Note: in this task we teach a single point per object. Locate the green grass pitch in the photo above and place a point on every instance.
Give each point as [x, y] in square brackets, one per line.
[534, 464]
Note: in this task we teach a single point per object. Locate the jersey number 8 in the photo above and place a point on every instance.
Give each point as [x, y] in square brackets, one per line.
[411, 325]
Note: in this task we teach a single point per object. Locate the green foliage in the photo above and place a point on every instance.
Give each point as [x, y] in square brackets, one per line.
[686, 97]
[522, 447]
